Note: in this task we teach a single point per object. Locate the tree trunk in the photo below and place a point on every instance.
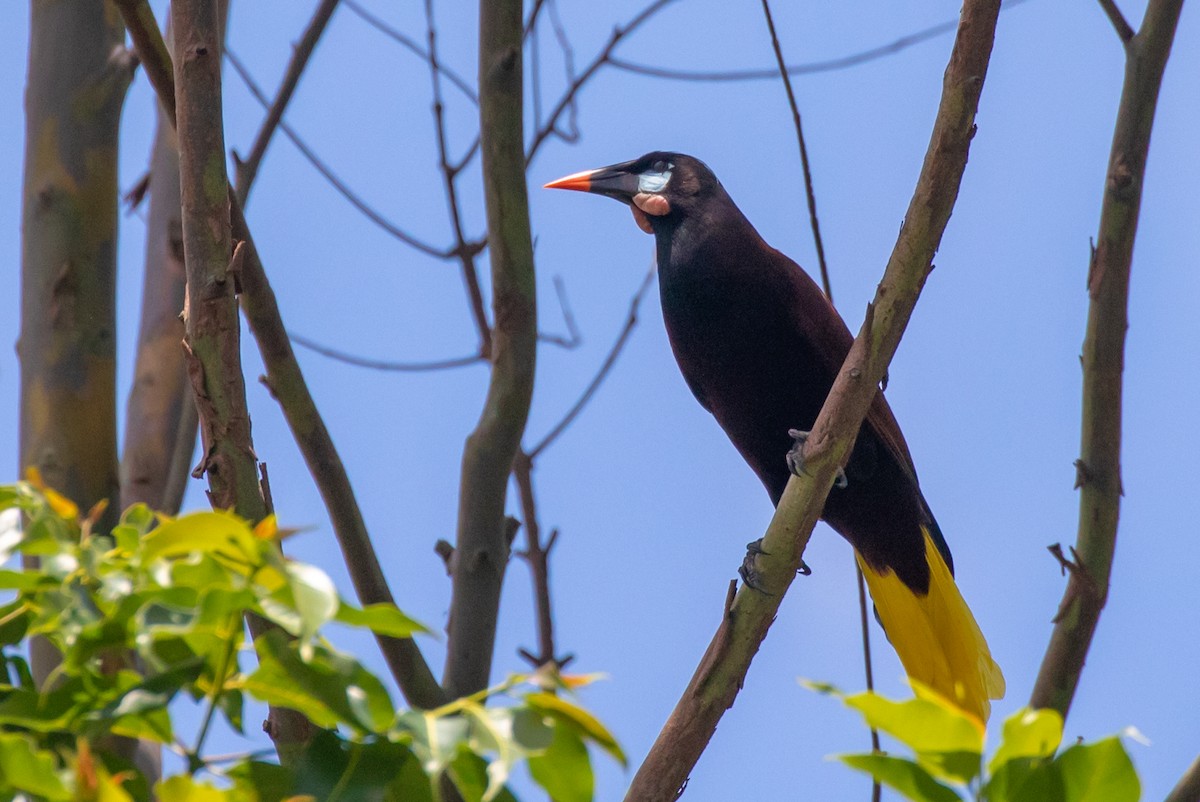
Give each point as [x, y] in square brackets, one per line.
[78, 74]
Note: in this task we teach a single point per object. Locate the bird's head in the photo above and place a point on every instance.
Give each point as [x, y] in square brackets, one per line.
[661, 188]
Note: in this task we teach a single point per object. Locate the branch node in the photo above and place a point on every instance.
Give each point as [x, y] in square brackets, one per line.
[1083, 474]
[446, 552]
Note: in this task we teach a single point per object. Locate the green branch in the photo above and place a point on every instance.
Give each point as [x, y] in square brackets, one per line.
[1098, 469]
[749, 613]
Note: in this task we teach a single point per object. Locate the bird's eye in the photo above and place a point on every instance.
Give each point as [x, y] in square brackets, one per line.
[655, 179]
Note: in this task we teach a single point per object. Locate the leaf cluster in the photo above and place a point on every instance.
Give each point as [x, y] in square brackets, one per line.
[154, 611]
[947, 762]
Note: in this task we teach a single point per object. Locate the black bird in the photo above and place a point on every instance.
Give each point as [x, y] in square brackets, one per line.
[759, 345]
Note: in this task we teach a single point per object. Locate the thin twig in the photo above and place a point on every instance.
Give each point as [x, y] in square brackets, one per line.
[410, 44]
[550, 125]
[574, 337]
[809, 68]
[466, 256]
[744, 625]
[386, 365]
[1117, 19]
[537, 555]
[808, 183]
[606, 366]
[355, 200]
[1099, 465]
[247, 169]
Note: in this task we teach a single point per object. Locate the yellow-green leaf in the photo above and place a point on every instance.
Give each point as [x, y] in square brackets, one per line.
[1028, 733]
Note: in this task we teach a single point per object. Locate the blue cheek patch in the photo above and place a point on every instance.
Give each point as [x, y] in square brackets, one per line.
[653, 182]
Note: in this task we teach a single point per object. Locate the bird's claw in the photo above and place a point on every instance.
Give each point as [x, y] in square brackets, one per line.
[795, 459]
[750, 574]
[748, 571]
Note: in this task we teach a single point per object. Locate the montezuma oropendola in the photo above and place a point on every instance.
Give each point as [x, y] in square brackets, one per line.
[759, 345]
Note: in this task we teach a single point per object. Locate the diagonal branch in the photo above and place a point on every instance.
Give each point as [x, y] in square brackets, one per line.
[749, 614]
[1099, 465]
[809, 68]
[248, 169]
[622, 338]
[286, 381]
[1117, 19]
[1188, 787]
[549, 125]
[343, 189]
[411, 45]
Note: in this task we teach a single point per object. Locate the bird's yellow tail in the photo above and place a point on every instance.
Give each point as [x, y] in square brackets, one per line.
[936, 636]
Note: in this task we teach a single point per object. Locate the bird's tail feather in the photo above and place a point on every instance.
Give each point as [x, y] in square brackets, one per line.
[936, 636]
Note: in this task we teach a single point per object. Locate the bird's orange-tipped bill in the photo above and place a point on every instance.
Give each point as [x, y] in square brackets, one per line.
[578, 181]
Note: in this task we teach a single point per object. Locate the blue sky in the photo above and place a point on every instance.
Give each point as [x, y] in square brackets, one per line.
[653, 504]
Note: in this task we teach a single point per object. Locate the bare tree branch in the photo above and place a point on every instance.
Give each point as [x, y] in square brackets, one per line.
[287, 382]
[550, 125]
[749, 614]
[368, 211]
[410, 44]
[606, 366]
[573, 338]
[808, 183]
[211, 321]
[482, 550]
[1188, 787]
[810, 68]
[151, 49]
[1117, 19]
[246, 170]
[466, 256]
[1099, 464]
[211, 315]
[385, 365]
[537, 555]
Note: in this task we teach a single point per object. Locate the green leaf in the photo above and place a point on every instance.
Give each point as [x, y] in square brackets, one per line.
[314, 595]
[382, 619]
[183, 788]
[1098, 772]
[435, 739]
[25, 768]
[587, 724]
[902, 775]
[1020, 779]
[1028, 733]
[330, 688]
[222, 534]
[14, 622]
[471, 776]
[947, 741]
[262, 782]
[564, 770]
[24, 581]
[49, 713]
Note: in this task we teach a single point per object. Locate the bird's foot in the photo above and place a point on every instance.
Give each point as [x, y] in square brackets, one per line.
[795, 459]
[749, 572]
